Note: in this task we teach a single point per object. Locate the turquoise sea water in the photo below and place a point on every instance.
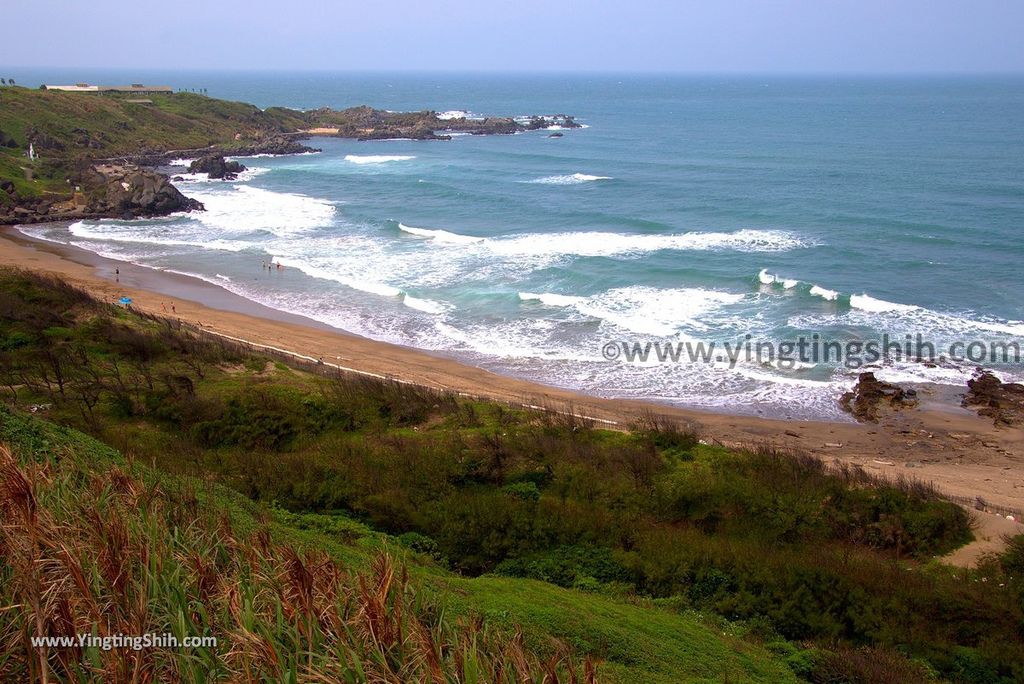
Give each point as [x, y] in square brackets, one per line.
[881, 205]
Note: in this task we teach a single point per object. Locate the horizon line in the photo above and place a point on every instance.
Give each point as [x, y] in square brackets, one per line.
[534, 72]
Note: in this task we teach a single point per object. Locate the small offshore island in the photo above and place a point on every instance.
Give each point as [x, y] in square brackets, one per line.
[92, 154]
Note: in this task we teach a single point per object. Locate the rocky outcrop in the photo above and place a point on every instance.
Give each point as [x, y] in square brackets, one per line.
[278, 144]
[367, 123]
[43, 141]
[215, 166]
[105, 191]
[870, 396]
[129, 192]
[1003, 402]
[7, 141]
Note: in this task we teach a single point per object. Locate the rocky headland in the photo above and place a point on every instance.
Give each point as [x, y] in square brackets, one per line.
[78, 155]
[106, 191]
[367, 123]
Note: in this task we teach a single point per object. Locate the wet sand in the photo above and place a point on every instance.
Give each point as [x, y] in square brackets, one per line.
[963, 455]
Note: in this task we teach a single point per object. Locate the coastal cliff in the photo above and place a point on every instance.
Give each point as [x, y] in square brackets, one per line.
[79, 155]
[106, 191]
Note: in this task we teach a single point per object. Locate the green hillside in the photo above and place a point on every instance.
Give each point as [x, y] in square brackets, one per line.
[658, 557]
[90, 536]
[70, 128]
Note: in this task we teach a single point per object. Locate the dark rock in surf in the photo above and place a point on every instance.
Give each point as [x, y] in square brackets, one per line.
[1003, 402]
[215, 166]
[870, 396]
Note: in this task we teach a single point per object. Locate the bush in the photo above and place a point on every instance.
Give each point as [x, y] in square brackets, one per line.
[568, 566]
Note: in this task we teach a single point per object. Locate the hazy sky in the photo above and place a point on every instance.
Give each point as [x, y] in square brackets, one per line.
[520, 35]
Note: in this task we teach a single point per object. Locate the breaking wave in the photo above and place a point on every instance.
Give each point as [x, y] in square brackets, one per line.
[568, 179]
[443, 236]
[376, 158]
[646, 310]
[593, 243]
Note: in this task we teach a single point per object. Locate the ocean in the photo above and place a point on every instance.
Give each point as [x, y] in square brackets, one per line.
[688, 209]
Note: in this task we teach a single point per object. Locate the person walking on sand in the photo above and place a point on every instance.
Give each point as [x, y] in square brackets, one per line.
[173, 310]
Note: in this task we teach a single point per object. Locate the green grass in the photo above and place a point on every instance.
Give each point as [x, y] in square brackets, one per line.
[89, 126]
[622, 528]
[179, 521]
[638, 644]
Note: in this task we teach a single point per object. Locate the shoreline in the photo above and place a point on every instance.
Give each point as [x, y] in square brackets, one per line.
[964, 455]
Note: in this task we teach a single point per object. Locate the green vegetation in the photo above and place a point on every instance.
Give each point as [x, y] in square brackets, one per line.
[68, 129]
[662, 558]
[96, 545]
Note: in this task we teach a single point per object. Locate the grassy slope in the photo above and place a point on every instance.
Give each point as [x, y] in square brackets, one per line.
[773, 540]
[117, 126]
[639, 644]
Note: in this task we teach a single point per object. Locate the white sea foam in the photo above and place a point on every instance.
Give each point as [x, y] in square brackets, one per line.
[452, 114]
[510, 340]
[240, 177]
[767, 278]
[646, 310]
[568, 179]
[148, 235]
[754, 373]
[242, 208]
[830, 295]
[427, 305]
[356, 283]
[181, 162]
[592, 243]
[867, 303]
[377, 158]
[437, 235]
[613, 244]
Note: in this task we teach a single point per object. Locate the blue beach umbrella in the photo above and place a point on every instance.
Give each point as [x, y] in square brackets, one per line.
[125, 301]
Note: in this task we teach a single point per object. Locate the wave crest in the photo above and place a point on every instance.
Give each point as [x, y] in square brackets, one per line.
[642, 309]
[568, 179]
[377, 158]
[593, 243]
[437, 235]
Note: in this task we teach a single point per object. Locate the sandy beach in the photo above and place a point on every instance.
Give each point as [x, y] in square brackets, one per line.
[962, 454]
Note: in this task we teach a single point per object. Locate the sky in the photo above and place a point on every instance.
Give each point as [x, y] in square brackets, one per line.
[710, 36]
